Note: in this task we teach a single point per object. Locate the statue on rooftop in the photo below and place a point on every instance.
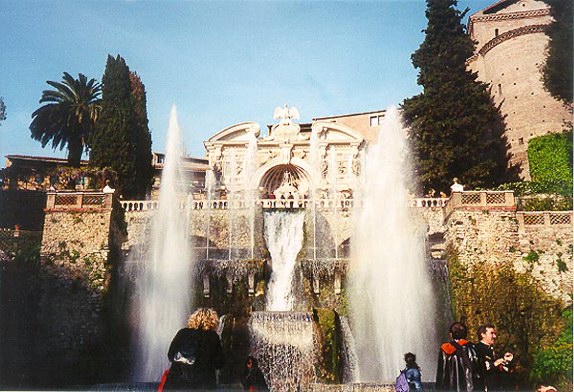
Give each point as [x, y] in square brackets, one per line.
[286, 114]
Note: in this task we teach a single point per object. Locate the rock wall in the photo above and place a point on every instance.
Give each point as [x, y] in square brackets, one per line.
[496, 237]
[78, 249]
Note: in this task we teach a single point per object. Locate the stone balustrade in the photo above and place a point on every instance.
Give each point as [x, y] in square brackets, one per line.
[225, 204]
[63, 200]
[139, 205]
[537, 219]
[481, 200]
[426, 202]
[470, 199]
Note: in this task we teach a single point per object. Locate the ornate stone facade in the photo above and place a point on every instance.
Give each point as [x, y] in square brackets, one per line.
[323, 158]
[510, 53]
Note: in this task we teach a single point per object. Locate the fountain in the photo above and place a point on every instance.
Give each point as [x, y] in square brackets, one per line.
[391, 310]
[284, 237]
[285, 346]
[391, 300]
[163, 285]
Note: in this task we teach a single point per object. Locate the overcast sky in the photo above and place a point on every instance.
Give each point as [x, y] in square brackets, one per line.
[220, 62]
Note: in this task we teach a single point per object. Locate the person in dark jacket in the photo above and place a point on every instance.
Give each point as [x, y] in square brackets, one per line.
[493, 373]
[195, 353]
[253, 379]
[413, 373]
[457, 362]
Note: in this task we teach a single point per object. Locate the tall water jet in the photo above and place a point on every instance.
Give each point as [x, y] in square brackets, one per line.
[164, 289]
[209, 186]
[284, 237]
[391, 299]
[249, 169]
[315, 164]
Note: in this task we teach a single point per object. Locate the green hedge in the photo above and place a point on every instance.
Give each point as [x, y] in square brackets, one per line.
[553, 364]
[550, 158]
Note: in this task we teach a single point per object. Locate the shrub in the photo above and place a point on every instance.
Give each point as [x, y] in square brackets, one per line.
[553, 363]
[550, 158]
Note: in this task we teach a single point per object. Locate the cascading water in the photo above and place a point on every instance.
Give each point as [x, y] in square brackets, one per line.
[284, 344]
[284, 238]
[164, 286]
[315, 164]
[391, 300]
[348, 352]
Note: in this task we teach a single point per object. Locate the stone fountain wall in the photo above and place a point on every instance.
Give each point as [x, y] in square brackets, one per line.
[67, 327]
[79, 242]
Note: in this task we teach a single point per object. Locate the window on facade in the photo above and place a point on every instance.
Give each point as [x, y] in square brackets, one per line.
[496, 32]
[499, 89]
[375, 121]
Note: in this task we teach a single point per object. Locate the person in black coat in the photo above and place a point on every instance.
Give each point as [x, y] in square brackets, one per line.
[253, 379]
[494, 373]
[195, 353]
[457, 362]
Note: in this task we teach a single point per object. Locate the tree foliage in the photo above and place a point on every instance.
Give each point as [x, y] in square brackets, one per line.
[2, 110]
[558, 69]
[144, 167]
[553, 363]
[68, 116]
[454, 128]
[527, 318]
[121, 139]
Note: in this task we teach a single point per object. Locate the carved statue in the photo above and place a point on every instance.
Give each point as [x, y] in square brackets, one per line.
[286, 114]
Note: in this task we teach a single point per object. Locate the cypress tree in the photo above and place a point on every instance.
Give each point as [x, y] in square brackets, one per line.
[2, 110]
[121, 139]
[559, 64]
[143, 161]
[454, 128]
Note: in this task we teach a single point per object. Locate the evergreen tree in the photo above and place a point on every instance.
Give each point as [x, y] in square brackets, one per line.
[144, 166]
[2, 110]
[114, 140]
[454, 128]
[559, 68]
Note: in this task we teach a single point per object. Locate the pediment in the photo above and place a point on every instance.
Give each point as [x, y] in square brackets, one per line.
[236, 133]
[336, 132]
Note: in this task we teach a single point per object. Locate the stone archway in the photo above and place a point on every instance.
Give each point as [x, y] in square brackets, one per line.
[274, 176]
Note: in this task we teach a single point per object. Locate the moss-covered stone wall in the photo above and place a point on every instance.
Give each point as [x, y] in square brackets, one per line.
[504, 275]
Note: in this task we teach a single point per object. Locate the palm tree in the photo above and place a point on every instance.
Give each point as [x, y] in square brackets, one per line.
[69, 115]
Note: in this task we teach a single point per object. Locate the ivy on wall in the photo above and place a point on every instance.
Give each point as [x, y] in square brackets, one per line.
[550, 158]
[553, 364]
[526, 318]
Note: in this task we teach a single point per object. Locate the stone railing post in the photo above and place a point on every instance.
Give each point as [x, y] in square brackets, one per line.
[50, 200]
[509, 198]
[108, 200]
[455, 199]
[546, 215]
[80, 199]
[520, 219]
[483, 199]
